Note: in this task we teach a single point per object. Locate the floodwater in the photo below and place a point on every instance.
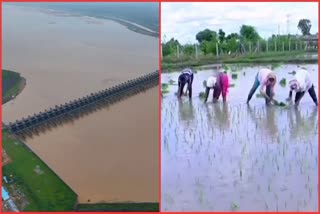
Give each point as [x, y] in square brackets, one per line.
[232, 157]
[105, 156]
[67, 57]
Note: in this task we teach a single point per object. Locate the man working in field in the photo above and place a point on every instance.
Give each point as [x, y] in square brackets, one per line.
[300, 84]
[266, 79]
[186, 77]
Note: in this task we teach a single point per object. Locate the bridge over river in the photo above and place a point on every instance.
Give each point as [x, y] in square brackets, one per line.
[26, 127]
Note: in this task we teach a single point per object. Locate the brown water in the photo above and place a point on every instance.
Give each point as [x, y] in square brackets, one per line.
[106, 156]
[70, 58]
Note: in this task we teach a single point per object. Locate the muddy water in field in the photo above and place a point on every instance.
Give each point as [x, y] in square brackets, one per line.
[219, 157]
[105, 156]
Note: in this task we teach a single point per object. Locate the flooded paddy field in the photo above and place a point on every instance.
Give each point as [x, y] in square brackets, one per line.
[239, 157]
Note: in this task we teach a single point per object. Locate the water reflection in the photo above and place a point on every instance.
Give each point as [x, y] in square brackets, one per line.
[186, 110]
[302, 125]
[270, 122]
[265, 120]
[219, 117]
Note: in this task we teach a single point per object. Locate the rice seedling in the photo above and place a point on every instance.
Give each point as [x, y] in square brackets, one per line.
[201, 95]
[171, 82]
[275, 66]
[234, 76]
[259, 96]
[283, 82]
[164, 86]
[234, 207]
[165, 91]
[225, 67]
[292, 72]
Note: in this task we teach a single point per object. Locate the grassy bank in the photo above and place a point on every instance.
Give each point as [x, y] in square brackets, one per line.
[172, 63]
[43, 189]
[121, 207]
[12, 85]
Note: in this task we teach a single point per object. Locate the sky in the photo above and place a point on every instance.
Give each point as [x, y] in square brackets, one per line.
[184, 20]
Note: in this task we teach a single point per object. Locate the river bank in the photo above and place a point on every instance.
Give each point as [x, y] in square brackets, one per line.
[97, 18]
[30, 178]
[13, 84]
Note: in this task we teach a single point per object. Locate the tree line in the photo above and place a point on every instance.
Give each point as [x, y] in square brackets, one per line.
[247, 40]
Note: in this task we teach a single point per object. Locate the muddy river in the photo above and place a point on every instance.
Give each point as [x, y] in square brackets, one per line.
[105, 156]
[231, 157]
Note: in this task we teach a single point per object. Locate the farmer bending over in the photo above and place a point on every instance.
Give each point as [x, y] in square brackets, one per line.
[266, 79]
[300, 84]
[219, 84]
[186, 77]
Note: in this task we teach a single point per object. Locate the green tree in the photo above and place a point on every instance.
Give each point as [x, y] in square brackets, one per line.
[232, 45]
[221, 35]
[249, 33]
[233, 36]
[170, 47]
[304, 26]
[206, 35]
[208, 47]
[188, 49]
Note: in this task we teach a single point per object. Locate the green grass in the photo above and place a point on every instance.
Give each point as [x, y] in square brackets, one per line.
[170, 64]
[134, 207]
[10, 84]
[45, 191]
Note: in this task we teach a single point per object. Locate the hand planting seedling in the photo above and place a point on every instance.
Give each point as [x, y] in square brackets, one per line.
[201, 95]
[204, 83]
[281, 104]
